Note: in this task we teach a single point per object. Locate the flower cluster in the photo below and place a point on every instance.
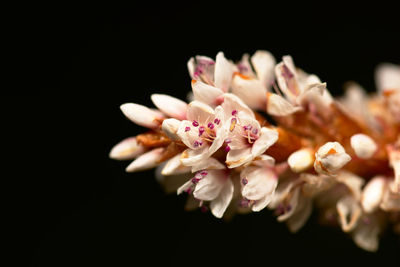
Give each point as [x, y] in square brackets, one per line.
[258, 134]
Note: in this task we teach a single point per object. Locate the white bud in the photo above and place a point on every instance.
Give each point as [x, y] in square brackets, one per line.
[330, 158]
[301, 160]
[373, 193]
[170, 128]
[363, 146]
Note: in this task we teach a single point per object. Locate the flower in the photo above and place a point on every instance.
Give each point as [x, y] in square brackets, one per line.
[203, 132]
[246, 139]
[259, 182]
[214, 186]
[340, 156]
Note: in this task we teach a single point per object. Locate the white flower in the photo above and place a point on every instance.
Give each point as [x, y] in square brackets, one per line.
[298, 88]
[259, 182]
[363, 145]
[214, 186]
[210, 79]
[330, 158]
[246, 139]
[202, 132]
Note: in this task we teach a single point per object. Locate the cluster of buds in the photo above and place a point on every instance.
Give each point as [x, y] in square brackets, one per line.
[258, 134]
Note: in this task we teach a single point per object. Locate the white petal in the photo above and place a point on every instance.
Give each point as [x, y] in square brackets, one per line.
[170, 128]
[211, 185]
[251, 91]
[267, 138]
[146, 161]
[390, 200]
[330, 158]
[294, 200]
[264, 161]
[200, 112]
[363, 145]
[300, 217]
[174, 166]
[301, 160]
[223, 72]
[191, 67]
[170, 106]
[221, 132]
[282, 191]
[184, 187]
[260, 182]
[387, 77]
[366, 234]
[126, 149]
[206, 93]
[232, 102]
[373, 193]
[264, 63]
[142, 115]
[349, 212]
[238, 157]
[286, 78]
[318, 95]
[219, 204]
[189, 134]
[191, 157]
[261, 203]
[279, 106]
[209, 164]
[352, 182]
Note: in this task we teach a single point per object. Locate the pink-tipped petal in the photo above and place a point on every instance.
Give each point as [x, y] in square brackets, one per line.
[260, 182]
[264, 63]
[170, 106]
[267, 138]
[146, 161]
[206, 93]
[126, 149]
[223, 72]
[233, 103]
[279, 106]
[238, 157]
[251, 91]
[200, 112]
[209, 187]
[142, 115]
[219, 205]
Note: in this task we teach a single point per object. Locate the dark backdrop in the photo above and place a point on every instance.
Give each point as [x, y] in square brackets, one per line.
[82, 209]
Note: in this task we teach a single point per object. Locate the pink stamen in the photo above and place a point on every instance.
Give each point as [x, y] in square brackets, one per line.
[210, 125]
[195, 123]
[201, 130]
[217, 121]
[234, 112]
[227, 148]
[255, 131]
[196, 144]
[203, 173]
[189, 190]
[195, 180]
[187, 129]
[244, 181]
[247, 127]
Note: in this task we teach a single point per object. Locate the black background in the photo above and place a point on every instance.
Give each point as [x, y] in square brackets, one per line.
[81, 209]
